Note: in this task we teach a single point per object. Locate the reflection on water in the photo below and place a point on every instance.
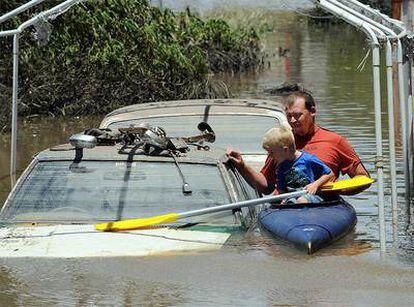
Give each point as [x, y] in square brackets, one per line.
[75, 283]
[225, 279]
[252, 269]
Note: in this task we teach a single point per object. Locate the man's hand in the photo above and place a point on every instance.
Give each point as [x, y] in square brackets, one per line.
[355, 190]
[235, 157]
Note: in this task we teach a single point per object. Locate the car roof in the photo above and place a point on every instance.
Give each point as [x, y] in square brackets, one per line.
[66, 152]
[206, 107]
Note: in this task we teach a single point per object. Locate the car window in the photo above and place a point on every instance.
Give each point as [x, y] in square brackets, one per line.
[245, 192]
[244, 132]
[109, 190]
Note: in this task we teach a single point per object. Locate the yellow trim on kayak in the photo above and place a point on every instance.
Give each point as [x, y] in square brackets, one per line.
[348, 184]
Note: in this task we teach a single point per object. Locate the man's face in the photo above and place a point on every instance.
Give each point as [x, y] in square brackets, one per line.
[300, 119]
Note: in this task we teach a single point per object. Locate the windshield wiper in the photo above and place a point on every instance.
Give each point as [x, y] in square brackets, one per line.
[186, 187]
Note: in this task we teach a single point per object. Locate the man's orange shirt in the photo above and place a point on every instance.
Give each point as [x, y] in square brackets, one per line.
[331, 148]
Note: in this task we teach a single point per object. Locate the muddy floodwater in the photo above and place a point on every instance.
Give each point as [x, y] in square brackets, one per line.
[252, 269]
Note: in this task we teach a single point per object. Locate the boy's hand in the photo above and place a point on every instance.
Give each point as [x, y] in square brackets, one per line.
[312, 188]
[235, 157]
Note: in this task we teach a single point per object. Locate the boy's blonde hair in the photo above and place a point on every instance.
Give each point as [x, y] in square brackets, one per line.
[280, 136]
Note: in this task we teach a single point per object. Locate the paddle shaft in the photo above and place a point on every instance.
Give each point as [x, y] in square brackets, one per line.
[172, 217]
[241, 204]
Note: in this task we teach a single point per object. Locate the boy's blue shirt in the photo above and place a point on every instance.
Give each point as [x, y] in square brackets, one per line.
[296, 174]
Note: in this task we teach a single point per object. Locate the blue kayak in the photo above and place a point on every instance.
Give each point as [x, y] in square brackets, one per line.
[310, 226]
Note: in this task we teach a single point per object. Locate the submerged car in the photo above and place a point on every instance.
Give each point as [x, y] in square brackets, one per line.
[129, 172]
[238, 123]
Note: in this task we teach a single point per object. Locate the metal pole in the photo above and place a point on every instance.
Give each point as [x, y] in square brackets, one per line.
[401, 81]
[377, 101]
[378, 132]
[13, 145]
[391, 141]
[403, 114]
[9, 33]
[410, 127]
[390, 104]
[20, 9]
[56, 10]
[363, 17]
[376, 15]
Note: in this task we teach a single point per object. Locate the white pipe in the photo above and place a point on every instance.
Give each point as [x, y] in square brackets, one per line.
[396, 23]
[404, 110]
[41, 16]
[44, 15]
[20, 9]
[410, 127]
[410, 118]
[13, 145]
[403, 114]
[364, 18]
[391, 141]
[377, 101]
[390, 104]
[8, 33]
[378, 132]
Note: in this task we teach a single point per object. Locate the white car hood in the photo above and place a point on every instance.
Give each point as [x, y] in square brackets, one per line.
[70, 241]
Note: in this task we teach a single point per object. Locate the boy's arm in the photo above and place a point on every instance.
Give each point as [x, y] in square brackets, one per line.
[313, 187]
[255, 179]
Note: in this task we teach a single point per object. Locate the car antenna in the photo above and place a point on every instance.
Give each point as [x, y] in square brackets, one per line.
[186, 186]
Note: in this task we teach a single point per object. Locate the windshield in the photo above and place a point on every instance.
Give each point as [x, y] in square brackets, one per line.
[109, 190]
[244, 132]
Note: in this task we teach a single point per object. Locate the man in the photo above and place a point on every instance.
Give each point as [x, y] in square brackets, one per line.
[333, 149]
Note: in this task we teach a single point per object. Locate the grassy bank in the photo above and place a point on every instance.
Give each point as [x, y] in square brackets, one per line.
[103, 54]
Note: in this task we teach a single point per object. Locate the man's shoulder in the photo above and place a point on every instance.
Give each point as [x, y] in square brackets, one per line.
[333, 138]
[325, 133]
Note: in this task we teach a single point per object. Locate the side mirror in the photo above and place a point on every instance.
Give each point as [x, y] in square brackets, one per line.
[80, 141]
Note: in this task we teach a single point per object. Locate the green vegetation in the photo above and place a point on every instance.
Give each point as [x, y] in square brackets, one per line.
[103, 54]
[385, 6]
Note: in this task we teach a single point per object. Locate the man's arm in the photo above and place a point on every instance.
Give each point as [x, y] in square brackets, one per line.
[358, 171]
[255, 179]
[351, 159]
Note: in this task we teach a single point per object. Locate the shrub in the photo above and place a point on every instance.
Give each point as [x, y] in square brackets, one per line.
[103, 54]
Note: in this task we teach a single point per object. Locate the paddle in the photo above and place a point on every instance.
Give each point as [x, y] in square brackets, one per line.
[347, 184]
[356, 182]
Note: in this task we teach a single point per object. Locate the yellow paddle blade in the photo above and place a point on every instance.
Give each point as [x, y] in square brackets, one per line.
[137, 223]
[348, 184]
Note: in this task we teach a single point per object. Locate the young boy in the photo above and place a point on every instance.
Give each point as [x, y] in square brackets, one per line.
[295, 169]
